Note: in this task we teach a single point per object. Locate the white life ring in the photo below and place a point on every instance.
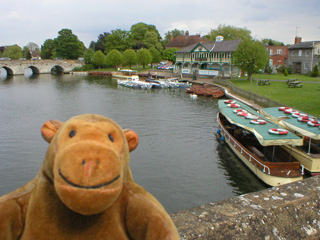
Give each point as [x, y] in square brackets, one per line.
[305, 119]
[229, 101]
[314, 123]
[278, 131]
[232, 105]
[239, 110]
[258, 121]
[297, 114]
[283, 108]
[289, 110]
[251, 116]
[244, 114]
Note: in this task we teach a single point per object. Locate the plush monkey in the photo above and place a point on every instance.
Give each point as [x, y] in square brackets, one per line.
[84, 189]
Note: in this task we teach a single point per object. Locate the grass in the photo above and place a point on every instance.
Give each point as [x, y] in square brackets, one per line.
[306, 99]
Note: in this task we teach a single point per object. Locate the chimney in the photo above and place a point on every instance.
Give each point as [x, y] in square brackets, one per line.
[297, 40]
[187, 34]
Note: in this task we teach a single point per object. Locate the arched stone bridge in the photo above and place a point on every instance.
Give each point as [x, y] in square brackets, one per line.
[16, 67]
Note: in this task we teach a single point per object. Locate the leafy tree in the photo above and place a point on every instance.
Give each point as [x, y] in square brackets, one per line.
[169, 54]
[156, 56]
[25, 51]
[14, 52]
[250, 56]
[230, 33]
[48, 49]
[315, 71]
[118, 39]
[144, 57]
[88, 56]
[28, 55]
[140, 39]
[99, 59]
[129, 57]
[100, 43]
[68, 45]
[270, 42]
[114, 58]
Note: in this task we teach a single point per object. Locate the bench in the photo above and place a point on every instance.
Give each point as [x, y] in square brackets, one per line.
[256, 151]
[263, 81]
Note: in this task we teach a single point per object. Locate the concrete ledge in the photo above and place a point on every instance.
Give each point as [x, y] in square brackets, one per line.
[290, 211]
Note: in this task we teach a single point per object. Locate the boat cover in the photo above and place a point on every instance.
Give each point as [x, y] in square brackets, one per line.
[291, 123]
[261, 131]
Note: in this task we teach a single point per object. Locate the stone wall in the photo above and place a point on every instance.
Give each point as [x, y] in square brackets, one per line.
[290, 211]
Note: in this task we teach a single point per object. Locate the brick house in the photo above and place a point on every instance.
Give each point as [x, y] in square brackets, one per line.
[186, 40]
[303, 56]
[277, 56]
[208, 58]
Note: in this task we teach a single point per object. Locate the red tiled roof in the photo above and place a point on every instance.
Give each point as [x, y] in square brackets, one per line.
[183, 41]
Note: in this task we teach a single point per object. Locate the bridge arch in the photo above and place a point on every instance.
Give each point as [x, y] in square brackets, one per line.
[34, 69]
[8, 70]
[57, 70]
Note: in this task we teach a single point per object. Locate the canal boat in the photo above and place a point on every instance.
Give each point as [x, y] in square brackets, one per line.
[305, 126]
[134, 82]
[258, 142]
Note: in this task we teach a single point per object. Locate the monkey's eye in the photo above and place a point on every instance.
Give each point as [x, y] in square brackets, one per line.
[111, 138]
[72, 133]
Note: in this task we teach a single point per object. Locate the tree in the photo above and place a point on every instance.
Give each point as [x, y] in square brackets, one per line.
[144, 57]
[88, 56]
[68, 45]
[26, 52]
[138, 36]
[129, 57]
[169, 54]
[230, 33]
[250, 56]
[99, 59]
[315, 71]
[156, 56]
[14, 52]
[114, 58]
[118, 39]
[100, 43]
[48, 49]
[32, 46]
[270, 42]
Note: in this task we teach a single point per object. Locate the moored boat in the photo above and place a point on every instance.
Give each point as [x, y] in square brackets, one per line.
[259, 143]
[303, 125]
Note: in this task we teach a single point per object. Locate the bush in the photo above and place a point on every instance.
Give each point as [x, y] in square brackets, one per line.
[281, 69]
[315, 71]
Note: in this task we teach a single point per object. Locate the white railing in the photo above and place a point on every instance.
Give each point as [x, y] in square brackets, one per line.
[242, 149]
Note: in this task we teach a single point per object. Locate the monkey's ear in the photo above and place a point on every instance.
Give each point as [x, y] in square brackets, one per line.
[49, 129]
[132, 139]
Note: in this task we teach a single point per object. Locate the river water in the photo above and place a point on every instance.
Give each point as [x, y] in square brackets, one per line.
[180, 158]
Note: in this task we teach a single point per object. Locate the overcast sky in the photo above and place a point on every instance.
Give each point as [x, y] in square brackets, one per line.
[35, 21]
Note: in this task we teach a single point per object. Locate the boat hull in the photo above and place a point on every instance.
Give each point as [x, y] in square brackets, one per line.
[263, 172]
[310, 162]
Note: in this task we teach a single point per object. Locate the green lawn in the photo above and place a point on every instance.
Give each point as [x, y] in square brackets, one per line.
[306, 99]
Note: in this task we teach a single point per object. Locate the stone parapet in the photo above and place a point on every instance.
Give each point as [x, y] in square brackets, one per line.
[290, 211]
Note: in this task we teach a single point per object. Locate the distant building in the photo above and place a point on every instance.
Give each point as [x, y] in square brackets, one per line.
[278, 56]
[208, 58]
[303, 56]
[186, 40]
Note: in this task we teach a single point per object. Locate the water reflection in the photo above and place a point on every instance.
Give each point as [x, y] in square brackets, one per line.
[179, 159]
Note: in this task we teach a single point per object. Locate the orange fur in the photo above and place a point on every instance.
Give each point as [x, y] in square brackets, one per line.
[85, 189]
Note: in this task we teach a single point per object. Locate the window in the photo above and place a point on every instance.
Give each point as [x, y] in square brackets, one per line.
[279, 51]
[305, 65]
[300, 53]
[292, 53]
[271, 52]
[307, 52]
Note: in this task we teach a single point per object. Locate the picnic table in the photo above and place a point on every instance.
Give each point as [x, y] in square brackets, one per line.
[294, 83]
[264, 81]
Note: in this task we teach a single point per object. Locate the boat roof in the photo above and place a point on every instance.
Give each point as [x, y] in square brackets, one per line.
[292, 123]
[261, 131]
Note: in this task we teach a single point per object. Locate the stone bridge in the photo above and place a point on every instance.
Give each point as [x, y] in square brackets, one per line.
[16, 67]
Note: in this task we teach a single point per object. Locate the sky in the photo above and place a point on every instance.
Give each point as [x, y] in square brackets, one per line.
[22, 22]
